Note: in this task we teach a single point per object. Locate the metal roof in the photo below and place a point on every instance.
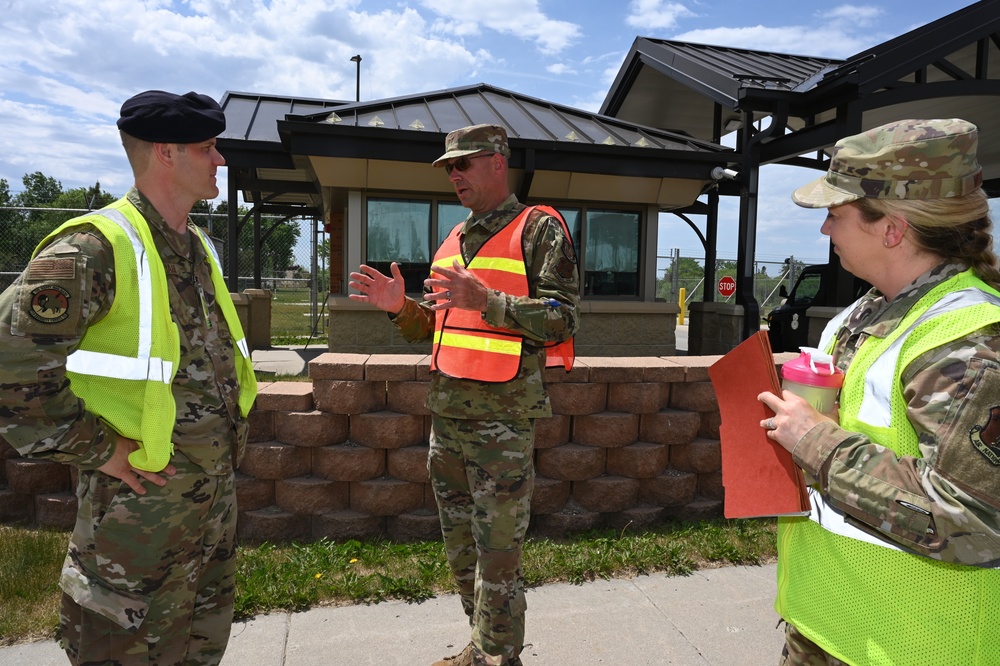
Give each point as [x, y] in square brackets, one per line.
[282, 151]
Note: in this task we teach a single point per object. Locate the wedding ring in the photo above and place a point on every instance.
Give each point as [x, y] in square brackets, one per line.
[769, 424]
[447, 295]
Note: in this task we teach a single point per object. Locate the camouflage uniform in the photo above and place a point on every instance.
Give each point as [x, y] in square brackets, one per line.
[945, 503]
[161, 565]
[482, 434]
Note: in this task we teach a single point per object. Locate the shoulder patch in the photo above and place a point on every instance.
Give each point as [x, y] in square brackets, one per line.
[49, 304]
[56, 268]
[986, 438]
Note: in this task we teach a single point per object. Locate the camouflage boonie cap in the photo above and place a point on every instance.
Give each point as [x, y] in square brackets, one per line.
[907, 159]
[472, 140]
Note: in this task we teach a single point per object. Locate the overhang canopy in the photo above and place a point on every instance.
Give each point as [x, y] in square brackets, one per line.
[289, 152]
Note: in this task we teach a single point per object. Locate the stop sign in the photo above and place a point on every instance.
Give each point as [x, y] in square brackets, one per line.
[727, 286]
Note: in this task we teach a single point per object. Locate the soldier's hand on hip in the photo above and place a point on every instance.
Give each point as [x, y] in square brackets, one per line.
[120, 468]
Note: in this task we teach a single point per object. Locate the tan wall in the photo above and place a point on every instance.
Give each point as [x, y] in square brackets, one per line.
[633, 441]
[608, 328]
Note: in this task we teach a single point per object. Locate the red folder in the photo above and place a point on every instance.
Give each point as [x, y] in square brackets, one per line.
[759, 476]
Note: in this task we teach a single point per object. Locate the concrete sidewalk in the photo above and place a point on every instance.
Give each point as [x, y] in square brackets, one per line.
[714, 617]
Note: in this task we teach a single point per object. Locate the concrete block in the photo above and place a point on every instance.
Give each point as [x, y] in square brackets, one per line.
[349, 397]
[695, 511]
[272, 524]
[387, 430]
[409, 464]
[347, 524]
[641, 460]
[274, 460]
[253, 493]
[700, 456]
[392, 367]
[311, 495]
[672, 488]
[574, 398]
[348, 462]
[341, 367]
[417, 525]
[408, 397]
[552, 431]
[669, 427]
[571, 462]
[549, 495]
[261, 423]
[310, 429]
[635, 519]
[710, 486]
[695, 397]
[635, 398]
[606, 429]
[32, 476]
[56, 510]
[285, 396]
[386, 496]
[710, 425]
[16, 508]
[572, 519]
[606, 493]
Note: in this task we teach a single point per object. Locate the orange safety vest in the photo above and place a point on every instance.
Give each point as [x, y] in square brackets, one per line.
[467, 347]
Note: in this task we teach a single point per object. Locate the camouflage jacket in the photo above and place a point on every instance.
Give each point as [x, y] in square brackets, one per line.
[949, 391]
[40, 415]
[552, 274]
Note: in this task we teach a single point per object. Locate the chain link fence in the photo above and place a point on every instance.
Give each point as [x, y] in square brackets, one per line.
[676, 272]
[292, 261]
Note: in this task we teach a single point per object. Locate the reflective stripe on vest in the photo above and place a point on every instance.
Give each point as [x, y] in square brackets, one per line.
[116, 366]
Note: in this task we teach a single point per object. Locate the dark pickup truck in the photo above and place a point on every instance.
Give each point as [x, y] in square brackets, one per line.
[788, 325]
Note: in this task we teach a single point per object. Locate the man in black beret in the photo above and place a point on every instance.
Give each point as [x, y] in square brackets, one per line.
[128, 304]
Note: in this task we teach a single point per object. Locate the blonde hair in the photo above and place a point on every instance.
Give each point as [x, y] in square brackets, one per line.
[955, 228]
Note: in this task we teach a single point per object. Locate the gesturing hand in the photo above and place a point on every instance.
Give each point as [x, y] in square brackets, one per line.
[456, 287]
[385, 293]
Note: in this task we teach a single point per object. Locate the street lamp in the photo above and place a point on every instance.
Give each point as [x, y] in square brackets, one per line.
[357, 94]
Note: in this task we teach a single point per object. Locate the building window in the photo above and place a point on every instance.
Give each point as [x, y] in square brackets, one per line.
[400, 230]
[610, 258]
[606, 241]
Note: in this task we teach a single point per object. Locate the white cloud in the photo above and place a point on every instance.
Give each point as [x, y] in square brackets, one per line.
[859, 16]
[560, 69]
[645, 15]
[522, 19]
[827, 41]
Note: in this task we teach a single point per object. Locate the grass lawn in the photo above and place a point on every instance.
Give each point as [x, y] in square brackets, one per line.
[298, 576]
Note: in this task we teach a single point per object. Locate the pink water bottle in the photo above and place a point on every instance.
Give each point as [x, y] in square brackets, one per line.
[814, 377]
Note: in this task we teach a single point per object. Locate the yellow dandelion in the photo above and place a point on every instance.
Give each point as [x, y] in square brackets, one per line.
[318, 576]
[353, 560]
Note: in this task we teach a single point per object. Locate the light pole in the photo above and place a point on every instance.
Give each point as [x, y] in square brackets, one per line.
[357, 94]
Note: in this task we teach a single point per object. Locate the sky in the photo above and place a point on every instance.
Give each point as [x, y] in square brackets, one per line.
[66, 67]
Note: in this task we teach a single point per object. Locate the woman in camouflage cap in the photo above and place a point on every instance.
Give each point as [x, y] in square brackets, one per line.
[898, 562]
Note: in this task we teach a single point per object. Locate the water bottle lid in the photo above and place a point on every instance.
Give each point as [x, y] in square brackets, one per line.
[813, 368]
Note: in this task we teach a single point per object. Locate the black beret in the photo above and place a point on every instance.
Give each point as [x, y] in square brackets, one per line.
[162, 117]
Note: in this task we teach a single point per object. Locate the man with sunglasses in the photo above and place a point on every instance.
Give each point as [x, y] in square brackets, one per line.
[501, 304]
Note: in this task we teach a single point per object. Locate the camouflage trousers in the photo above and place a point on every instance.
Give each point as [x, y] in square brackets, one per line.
[483, 474]
[149, 579]
[800, 651]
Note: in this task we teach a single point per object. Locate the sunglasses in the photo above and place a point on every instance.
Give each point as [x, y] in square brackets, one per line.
[463, 163]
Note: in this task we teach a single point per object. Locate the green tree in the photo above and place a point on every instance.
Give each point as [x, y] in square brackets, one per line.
[278, 239]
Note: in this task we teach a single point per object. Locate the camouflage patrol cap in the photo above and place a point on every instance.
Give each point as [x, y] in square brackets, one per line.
[472, 140]
[907, 159]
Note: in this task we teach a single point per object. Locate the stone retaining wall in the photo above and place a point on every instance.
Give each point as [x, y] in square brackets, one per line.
[633, 441]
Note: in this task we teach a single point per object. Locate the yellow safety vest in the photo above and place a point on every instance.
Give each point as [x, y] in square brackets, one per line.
[864, 600]
[125, 364]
